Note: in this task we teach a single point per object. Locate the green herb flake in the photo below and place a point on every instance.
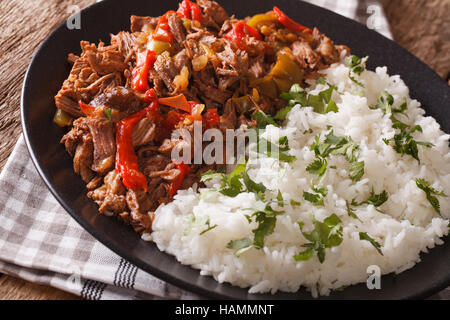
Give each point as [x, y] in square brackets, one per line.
[403, 141]
[273, 151]
[280, 199]
[257, 188]
[377, 199]
[321, 103]
[319, 167]
[231, 183]
[357, 66]
[192, 222]
[325, 235]
[365, 236]
[351, 211]
[356, 170]
[241, 245]
[263, 120]
[431, 194]
[266, 220]
[281, 114]
[317, 197]
[108, 114]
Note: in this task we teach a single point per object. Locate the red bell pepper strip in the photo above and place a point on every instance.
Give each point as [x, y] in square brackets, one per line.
[190, 10]
[211, 118]
[162, 32]
[179, 102]
[288, 22]
[239, 32]
[172, 118]
[126, 160]
[176, 184]
[86, 109]
[145, 61]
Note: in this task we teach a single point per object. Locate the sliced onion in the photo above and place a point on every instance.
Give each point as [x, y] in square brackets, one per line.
[200, 62]
[181, 81]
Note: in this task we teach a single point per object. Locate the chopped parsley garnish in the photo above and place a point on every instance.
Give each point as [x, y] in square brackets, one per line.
[295, 203]
[385, 103]
[431, 194]
[365, 236]
[334, 145]
[280, 199]
[266, 220]
[325, 235]
[263, 120]
[282, 113]
[356, 170]
[318, 167]
[257, 188]
[231, 183]
[241, 245]
[317, 196]
[377, 199]
[403, 142]
[321, 103]
[108, 114]
[192, 221]
[273, 151]
[351, 211]
[357, 66]
[374, 199]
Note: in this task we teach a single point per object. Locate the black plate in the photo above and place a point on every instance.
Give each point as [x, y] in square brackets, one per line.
[49, 68]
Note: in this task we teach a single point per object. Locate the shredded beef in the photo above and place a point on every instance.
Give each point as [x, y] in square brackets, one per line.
[120, 98]
[305, 56]
[126, 43]
[74, 136]
[213, 11]
[102, 132]
[167, 70]
[93, 72]
[328, 51]
[103, 60]
[177, 28]
[72, 58]
[144, 132]
[140, 205]
[257, 68]
[228, 119]
[181, 59]
[111, 195]
[144, 24]
[82, 160]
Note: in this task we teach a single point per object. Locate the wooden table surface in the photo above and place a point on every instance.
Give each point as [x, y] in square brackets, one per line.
[421, 26]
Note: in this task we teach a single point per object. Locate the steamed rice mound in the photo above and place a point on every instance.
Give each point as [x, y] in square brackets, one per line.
[406, 226]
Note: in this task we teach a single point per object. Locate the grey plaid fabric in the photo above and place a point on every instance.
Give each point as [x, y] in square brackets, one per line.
[40, 242]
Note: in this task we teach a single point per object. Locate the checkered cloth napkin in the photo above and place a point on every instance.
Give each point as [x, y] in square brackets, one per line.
[40, 242]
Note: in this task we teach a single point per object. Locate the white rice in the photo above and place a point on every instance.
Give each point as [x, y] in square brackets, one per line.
[408, 226]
